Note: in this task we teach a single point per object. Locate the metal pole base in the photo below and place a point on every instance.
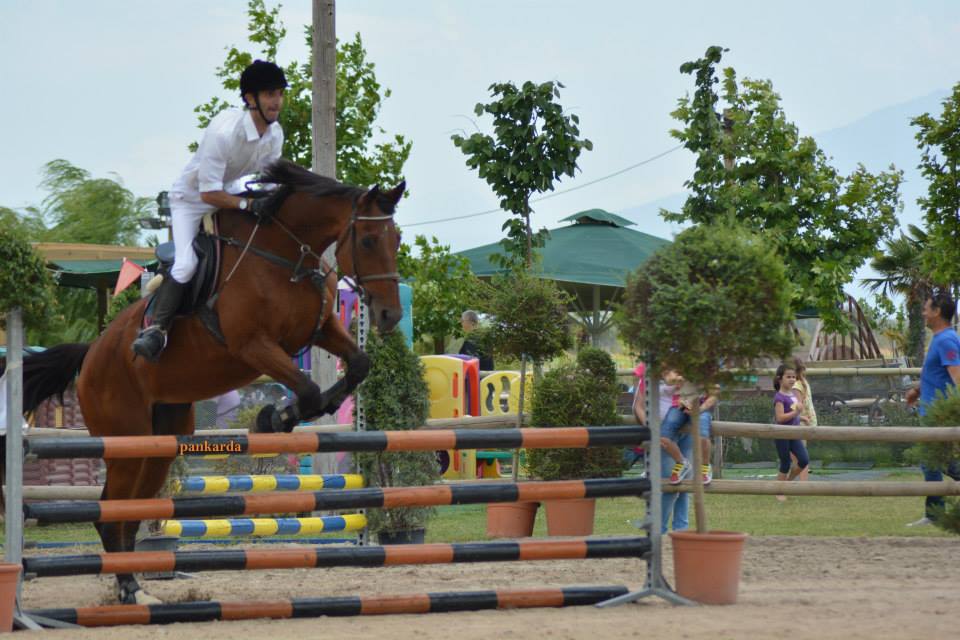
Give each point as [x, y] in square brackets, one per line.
[39, 623]
[660, 589]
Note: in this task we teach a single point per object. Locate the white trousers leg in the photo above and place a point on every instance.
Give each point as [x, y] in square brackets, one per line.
[186, 217]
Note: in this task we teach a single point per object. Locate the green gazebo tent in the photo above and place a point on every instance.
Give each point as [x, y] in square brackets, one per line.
[589, 259]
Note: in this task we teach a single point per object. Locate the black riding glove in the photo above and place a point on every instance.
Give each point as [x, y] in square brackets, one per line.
[258, 207]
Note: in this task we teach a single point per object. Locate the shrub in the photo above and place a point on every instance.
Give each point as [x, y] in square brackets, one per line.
[942, 412]
[580, 394]
[24, 281]
[395, 398]
[529, 316]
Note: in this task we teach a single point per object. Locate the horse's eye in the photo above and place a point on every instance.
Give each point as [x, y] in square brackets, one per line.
[368, 242]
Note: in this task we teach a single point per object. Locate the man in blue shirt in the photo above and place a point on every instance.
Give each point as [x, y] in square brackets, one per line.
[941, 371]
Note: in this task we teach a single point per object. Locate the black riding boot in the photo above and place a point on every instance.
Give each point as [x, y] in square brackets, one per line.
[153, 339]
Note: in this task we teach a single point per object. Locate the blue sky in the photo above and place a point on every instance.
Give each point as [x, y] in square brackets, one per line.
[111, 85]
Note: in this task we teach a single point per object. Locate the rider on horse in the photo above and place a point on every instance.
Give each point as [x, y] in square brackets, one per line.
[236, 143]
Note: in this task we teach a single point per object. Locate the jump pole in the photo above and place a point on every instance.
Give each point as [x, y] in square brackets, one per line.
[301, 502]
[335, 606]
[117, 447]
[325, 556]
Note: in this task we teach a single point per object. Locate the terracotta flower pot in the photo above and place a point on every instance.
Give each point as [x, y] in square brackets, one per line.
[9, 576]
[511, 519]
[707, 565]
[570, 517]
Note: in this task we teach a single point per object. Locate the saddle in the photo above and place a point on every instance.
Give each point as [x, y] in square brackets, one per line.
[200, 296]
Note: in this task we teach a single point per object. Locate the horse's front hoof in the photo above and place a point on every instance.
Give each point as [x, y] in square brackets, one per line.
[269, 420]
[142, 597]
[138, 597]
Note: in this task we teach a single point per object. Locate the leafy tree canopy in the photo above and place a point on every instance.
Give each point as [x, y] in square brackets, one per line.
[939, 143]
[443, 288]
[717, 296]
[902, 272]
[360, 160]
[24, 279]
[529, 316]
[534, 144]
[753, 163]
[83, 209]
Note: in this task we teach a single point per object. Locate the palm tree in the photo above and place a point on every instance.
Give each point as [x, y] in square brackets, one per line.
[902, 273]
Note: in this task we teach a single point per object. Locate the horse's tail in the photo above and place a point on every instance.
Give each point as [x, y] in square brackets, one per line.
[50, 372]
[45, 374]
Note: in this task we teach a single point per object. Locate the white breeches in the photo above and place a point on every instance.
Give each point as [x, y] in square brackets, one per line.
[186, 217]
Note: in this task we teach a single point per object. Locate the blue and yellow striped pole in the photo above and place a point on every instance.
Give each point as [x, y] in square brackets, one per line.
[219, 528]
[263, 483]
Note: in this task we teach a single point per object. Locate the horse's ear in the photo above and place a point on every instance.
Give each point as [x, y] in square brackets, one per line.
[396, 193]
[369, 197]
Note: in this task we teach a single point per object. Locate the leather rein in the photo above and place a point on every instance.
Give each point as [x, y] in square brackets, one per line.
[318, 275]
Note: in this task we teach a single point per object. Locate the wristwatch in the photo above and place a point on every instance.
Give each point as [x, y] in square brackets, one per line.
[244, 203]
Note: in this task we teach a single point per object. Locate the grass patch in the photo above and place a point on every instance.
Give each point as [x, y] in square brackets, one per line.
[756, 515]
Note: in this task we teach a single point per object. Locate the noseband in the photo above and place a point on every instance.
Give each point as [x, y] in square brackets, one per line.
[357, 281]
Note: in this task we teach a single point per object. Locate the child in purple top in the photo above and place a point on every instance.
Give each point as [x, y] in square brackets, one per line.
[788, 409]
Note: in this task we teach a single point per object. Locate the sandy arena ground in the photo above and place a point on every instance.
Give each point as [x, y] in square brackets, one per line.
[793, 587]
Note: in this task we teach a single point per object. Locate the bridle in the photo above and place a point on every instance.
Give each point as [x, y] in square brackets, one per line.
[357, 281]
[317, 275]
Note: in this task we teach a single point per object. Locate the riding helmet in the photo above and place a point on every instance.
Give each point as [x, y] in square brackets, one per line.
[261, 76]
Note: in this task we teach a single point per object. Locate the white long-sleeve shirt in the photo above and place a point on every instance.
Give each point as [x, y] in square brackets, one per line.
[230, 149]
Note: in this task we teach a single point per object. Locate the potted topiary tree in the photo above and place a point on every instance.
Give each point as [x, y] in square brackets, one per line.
[528, 321]
[395, 397]
[717, 296]
[581, 393]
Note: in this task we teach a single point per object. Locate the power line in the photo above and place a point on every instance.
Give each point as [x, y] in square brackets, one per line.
[555, 193]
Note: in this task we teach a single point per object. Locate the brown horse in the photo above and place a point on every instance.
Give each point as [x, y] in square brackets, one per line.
[275, 296]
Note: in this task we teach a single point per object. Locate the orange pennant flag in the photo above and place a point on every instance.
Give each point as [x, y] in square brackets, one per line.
[129, 273]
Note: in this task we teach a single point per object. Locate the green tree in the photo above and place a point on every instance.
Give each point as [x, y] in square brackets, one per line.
[716, 297]
[939, 144]
[360, 160]
[529, 317]
[752, 163]
[443, 288]
[534, 144]
[83, 209]
[24, 280]
[902, 272]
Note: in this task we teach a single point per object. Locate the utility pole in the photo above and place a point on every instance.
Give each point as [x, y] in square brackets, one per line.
[323, 366]
[324, 88]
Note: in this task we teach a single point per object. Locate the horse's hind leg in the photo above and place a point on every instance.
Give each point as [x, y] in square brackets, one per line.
[121, 536]
[145, 479]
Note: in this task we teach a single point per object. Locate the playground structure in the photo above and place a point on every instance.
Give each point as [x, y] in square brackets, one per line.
[456, 390]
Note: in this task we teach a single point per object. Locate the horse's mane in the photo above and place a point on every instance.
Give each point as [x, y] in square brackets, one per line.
[292, 178]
